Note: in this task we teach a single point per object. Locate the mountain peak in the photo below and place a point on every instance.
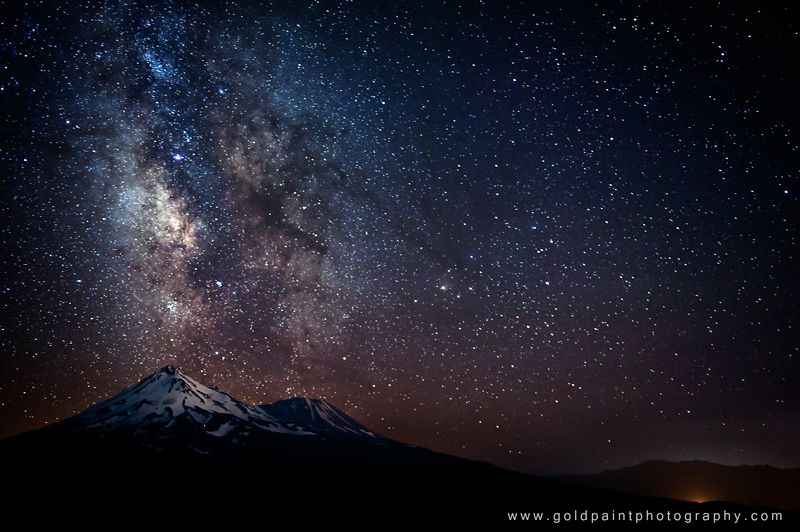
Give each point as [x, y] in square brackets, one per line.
[316, 414]
[169, 369]
[167, 398]
[168, 405]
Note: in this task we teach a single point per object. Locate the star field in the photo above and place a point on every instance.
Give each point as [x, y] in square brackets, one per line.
[556, 236]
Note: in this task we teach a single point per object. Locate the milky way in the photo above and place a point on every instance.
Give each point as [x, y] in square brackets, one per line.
[556, 237]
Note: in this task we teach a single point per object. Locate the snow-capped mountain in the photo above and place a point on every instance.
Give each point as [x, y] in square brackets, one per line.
[167, 396]
[315, 415]
[170, 441]
[171, 410]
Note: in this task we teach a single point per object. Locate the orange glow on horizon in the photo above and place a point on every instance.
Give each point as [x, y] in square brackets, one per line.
[697, 497]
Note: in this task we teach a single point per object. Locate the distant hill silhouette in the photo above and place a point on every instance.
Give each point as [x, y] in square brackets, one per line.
[699, 481]
[174, 445]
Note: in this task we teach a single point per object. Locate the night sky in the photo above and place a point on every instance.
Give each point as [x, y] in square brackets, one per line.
[556, 236]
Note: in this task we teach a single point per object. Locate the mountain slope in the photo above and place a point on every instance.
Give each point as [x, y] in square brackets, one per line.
[171, 411]
[159, 401]
[315, 415]
[172, 442]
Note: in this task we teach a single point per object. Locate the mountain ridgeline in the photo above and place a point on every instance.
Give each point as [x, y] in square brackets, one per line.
[700, 481]
[170, 434]
[170, 411]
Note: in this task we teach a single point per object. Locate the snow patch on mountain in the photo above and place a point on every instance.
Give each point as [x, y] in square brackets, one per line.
[168, 396]
[316, 415]
[169, 410]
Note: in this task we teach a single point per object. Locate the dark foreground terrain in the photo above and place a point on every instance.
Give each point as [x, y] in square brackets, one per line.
[752, 485]
[170, 451]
